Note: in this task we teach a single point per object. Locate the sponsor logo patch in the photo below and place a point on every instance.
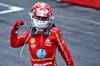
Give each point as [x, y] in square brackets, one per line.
[33, 46]
[47, 42]
[32, 40]
[41, 53]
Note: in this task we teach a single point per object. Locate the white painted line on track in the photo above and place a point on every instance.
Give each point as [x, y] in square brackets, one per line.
[91, 21]
[86, 20]
[11, 8]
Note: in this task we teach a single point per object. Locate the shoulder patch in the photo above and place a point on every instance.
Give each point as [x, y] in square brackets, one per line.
[55, 29]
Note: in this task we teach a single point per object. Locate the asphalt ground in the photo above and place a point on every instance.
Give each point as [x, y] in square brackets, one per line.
[80, 27]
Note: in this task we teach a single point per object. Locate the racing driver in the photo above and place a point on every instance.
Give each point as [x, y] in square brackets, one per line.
[43, 37]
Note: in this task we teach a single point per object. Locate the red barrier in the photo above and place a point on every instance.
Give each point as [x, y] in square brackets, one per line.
[97, 3]
[90, 3]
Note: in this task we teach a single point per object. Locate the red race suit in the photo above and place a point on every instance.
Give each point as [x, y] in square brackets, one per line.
[42, 48]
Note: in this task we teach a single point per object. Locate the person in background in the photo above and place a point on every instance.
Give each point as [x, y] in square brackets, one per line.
[43, 37]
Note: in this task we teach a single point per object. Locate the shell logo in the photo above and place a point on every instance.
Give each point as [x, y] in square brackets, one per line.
[32, 40]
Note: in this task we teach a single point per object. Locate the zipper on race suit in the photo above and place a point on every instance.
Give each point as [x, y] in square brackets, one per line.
[41, 46]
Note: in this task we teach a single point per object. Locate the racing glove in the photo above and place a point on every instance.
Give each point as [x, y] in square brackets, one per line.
[16, 26]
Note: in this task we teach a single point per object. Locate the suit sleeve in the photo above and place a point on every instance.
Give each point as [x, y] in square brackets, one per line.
[16, 41]
[62, 48]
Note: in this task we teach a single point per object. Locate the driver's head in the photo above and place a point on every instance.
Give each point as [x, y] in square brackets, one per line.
[40, 14]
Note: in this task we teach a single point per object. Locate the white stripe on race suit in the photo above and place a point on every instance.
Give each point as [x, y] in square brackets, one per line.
[62, 47]
[43, 64]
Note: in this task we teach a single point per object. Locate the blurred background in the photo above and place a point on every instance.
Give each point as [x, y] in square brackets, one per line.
[80, 26]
